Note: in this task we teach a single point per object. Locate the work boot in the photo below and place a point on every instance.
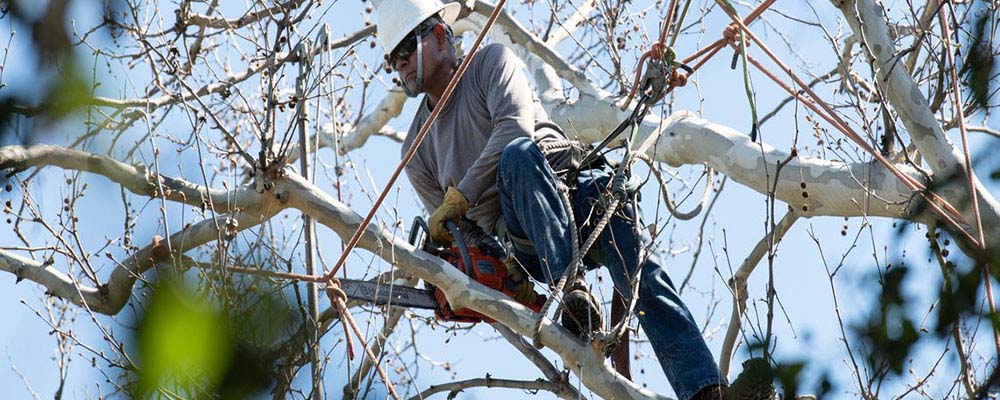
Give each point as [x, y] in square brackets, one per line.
[756, 382]
[581, 313]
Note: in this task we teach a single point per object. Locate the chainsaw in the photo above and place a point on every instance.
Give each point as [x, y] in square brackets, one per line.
[482, 264]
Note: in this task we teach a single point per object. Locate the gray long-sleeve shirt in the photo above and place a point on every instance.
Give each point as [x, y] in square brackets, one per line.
[492, 105]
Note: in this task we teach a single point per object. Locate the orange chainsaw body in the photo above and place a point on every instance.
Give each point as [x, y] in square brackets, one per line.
[487, 270]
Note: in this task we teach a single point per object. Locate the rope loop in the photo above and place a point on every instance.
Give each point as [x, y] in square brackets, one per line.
[731, 35]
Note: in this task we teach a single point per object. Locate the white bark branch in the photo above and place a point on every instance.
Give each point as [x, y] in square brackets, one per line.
[111, 297]
[569, 24]
[353, 137]
[136, 179]
[455, 387]
[867, 19]
[460, 290]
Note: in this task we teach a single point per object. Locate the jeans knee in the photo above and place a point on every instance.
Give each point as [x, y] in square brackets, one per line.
[521, 154]
[655, 279]
[519, 150]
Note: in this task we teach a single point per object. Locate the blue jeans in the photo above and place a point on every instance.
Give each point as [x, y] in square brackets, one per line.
[532, 210]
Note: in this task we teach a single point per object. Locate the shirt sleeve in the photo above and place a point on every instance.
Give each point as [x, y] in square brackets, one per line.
[424, 184]
[510, 102]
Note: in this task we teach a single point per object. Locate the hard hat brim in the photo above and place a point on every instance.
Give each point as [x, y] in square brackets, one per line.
[450, 12]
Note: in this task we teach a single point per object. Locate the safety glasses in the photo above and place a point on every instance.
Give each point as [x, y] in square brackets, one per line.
[406, 47]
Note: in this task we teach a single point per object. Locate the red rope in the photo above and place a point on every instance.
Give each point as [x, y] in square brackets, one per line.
[936, 203]
[714, 48]
[973, 194]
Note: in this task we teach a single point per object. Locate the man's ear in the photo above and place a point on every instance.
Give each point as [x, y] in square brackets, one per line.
[439, 32]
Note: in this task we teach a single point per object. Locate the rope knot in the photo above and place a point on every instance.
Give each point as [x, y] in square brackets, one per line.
[657, 51]
[732, 35]
[335, 292]
[678, 78]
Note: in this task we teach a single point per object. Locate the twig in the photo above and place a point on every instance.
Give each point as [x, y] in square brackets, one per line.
[738, 285]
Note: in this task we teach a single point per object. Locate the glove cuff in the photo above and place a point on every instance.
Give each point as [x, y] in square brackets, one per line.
[454, 197]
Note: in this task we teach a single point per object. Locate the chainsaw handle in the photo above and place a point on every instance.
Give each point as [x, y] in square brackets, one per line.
[418, 222]
[463, 249]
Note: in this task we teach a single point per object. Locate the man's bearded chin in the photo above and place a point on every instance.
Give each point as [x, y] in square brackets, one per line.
[413, 88]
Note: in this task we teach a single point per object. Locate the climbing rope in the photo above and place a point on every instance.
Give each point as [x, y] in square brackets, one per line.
[571, 268]
[937, 204]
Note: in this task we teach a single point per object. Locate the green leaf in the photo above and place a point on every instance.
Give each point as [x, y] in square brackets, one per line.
[184, 344]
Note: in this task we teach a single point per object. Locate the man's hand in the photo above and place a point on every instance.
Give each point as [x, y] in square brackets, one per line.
[453, 206]
[517, 283]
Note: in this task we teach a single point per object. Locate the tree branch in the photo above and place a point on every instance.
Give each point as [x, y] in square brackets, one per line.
[455, 387]
[867, 19]
[738, 285]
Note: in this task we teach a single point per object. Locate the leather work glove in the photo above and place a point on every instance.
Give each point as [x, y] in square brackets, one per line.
[452, 207]
[517, 284]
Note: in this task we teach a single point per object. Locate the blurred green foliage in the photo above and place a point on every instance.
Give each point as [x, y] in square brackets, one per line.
[215, 339]
[183, 342]
[979, 62]
[889, 333]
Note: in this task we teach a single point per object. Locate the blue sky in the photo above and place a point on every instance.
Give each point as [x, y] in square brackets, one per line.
[736, 224]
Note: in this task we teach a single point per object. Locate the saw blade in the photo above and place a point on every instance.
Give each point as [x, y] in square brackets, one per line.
[393, 295]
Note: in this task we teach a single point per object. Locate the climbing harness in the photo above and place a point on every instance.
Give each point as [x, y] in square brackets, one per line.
[659, 76]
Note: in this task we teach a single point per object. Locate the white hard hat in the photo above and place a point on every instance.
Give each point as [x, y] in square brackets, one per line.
[396, 18]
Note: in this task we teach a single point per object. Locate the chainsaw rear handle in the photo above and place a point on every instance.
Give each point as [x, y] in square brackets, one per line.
[418, 224]
[463, 249]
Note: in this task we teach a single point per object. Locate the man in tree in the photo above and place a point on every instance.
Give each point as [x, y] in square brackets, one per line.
[481, 164]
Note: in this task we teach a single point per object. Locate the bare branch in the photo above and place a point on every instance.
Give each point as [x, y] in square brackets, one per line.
[455, 387]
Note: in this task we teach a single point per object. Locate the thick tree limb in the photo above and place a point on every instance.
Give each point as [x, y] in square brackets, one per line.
[460, 290]
[353, 137]
[867, 19]
[137, 179]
